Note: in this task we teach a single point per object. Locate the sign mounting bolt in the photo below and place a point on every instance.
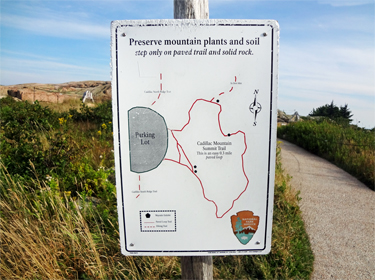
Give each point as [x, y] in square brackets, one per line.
[123, 34]
[264, 34]
[131, 244]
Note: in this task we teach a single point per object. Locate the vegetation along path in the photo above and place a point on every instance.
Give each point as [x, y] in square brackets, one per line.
[339, 214]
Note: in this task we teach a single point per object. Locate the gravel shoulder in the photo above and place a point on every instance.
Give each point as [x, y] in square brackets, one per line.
[339, 214]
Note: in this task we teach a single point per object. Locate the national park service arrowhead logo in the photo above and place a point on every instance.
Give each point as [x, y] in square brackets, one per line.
[244, 225]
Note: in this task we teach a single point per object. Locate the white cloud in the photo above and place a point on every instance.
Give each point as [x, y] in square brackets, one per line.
[47, 71]
[45, 64]
[312, 75]
[332, 68]
[18, 54]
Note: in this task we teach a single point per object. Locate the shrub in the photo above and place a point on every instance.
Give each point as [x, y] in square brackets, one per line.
[57, 146]
[349, 147]
[102, 113]
[23, 128]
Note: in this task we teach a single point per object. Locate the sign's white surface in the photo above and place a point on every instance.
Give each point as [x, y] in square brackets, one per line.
[194, 115]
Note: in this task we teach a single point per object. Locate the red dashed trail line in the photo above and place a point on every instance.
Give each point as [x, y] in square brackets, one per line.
[231, 89]
[182, 153]
[161, 88]
[139, 184]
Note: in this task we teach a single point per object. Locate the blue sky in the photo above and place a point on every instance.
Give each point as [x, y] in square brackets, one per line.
[327, 47]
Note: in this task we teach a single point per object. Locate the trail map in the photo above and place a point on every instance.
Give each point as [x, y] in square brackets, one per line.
[194, 105]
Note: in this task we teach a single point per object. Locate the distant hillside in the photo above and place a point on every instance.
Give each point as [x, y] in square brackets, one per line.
[57, 92]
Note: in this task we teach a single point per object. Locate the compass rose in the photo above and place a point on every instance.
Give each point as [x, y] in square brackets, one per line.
[255, 107]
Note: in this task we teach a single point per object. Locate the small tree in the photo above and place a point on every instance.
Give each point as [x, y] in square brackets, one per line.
[340, 114]
[346, 113]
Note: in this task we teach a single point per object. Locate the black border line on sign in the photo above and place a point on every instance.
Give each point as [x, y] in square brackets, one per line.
[269, 146]
[270, 142]
[118, 135]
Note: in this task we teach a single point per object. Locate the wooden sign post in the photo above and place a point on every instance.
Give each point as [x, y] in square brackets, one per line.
[194, 267]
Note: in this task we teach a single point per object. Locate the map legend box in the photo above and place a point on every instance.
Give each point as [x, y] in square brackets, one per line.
[158, 221]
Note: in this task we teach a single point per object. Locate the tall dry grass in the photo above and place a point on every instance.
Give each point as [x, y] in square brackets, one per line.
[46, 236]
[43, 237]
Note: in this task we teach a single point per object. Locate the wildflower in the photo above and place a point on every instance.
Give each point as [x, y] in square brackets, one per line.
[68, 193]
[62, 121]
[70, 116]
[48, 178]
[104, 126]
[99, 132]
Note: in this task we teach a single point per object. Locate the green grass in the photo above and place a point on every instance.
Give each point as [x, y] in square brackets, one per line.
[349, 147]
[60, 222]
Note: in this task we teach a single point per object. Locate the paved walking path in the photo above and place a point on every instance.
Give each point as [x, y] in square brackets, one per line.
[339, 214]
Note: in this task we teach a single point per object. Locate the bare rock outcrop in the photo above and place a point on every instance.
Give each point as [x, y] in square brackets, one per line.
[283, 118]
[57, 93]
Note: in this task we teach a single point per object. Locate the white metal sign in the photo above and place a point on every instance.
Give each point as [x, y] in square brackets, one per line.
[194, 114]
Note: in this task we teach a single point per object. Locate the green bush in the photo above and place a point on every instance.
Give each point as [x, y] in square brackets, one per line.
[102, 113]
[349, 147]
[57, 145]
[23, 129]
